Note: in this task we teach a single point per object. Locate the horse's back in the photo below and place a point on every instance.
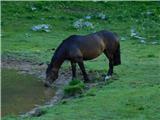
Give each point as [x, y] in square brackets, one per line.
[90, 46]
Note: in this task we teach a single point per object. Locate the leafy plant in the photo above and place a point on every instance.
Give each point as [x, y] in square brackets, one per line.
[75, 87]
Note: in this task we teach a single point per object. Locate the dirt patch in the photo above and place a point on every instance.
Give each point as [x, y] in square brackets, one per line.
[35, 69]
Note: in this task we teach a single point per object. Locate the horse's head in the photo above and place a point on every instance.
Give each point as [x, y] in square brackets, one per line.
[51, 76]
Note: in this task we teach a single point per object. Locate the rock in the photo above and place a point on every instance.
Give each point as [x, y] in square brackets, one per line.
[122, 38]
[88, 24]
[42, 19]
[133, 32]
[88, 17]
[38, 112]
[79, 24]
[142, 41]
[149, 13]
[27, 35]
[101, 16]
[41, 27]
[33, 8]
[138, 37]
[154, 43]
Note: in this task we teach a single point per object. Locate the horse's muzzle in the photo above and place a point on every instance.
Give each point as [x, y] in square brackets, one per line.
[47, 84]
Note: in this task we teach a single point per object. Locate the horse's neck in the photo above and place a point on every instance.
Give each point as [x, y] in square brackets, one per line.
[56, 63]
[58, 57]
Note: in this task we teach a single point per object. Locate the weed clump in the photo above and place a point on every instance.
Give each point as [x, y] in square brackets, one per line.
[75, 87]
[151, 55]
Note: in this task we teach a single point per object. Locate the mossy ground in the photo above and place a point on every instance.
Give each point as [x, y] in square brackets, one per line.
[136, 93]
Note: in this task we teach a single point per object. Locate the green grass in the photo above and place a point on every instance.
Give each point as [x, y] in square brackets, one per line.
[136, 93]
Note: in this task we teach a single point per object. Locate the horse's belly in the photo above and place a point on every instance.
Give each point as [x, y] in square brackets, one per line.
[89, 55]
[92, 49]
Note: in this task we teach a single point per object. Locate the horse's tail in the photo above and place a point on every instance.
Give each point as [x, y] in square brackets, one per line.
[117, 56]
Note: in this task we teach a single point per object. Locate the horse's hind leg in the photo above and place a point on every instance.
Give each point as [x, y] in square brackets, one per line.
[81, 65]
[110, 70]
[73, 65]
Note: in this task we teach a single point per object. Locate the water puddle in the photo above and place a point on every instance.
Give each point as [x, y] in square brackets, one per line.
[21, 92]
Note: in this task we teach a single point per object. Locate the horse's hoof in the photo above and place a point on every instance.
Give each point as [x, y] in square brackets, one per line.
[107, 77]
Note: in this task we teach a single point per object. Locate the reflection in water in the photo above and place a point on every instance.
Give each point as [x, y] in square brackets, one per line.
[21, 92]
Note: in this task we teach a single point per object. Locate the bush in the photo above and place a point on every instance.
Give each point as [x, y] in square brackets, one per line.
[75, 87]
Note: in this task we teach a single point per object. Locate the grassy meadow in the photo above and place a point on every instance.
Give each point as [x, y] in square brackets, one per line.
[136, 93]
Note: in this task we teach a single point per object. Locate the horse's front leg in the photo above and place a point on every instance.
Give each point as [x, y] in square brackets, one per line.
[110, 71]
[81, 65]
[73, 65]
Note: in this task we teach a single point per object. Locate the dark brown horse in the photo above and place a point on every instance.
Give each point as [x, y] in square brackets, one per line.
[77, 48]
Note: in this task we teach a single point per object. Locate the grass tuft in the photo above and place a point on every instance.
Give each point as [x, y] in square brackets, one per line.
[75, 87]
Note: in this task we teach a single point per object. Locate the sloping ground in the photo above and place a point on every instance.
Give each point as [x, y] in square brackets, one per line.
[134, 95]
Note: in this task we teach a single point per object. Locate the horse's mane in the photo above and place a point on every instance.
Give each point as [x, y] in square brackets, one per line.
[55, 54]
[61, 48]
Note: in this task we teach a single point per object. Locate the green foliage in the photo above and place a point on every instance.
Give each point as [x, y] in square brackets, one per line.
[151, 55]
[75, 82]
[75, 87]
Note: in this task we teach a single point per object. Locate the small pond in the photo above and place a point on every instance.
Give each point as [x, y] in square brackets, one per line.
[21, 92]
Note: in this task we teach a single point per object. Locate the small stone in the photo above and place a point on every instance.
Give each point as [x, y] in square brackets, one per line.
[123, 38]
[79, 24]
[88, 17]
[37, 112]
[154, 43]
[27, 35]
[47, 30]
[42, 19]
[33, 8]
[102, 16]
[143, 41]
[133, 32]
[88, 24]
[149, 13]
[107, 77]
[42, 27]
